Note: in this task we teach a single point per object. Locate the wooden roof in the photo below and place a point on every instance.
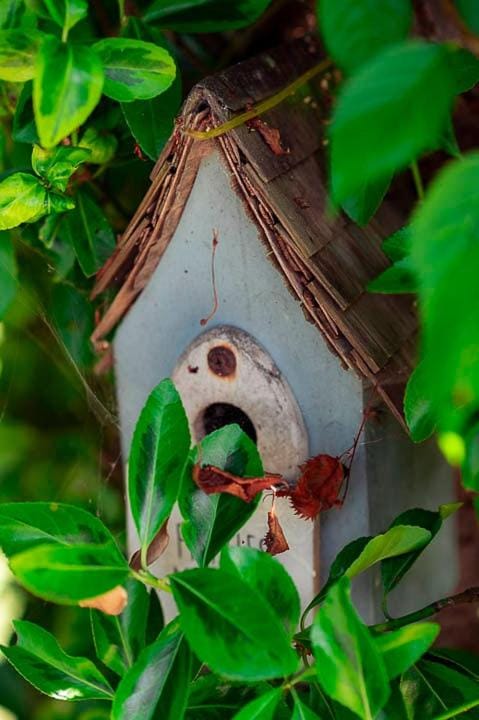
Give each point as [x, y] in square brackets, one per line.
[326, 260]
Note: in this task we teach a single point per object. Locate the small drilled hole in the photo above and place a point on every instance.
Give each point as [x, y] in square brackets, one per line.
[218, 415]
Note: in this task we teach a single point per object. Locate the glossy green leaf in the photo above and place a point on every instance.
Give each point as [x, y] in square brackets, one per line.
[24, 128]
[58, 165]
[262, 708]
[212, 698]
[65, 13]
[158, 454]
[102, 146]
[24, 526]
[120, 639]
[469, 12]
[463, 661]
[41, 661]
[88, 231]
[393, 569]
[22, 199]
[230, 626]
[66, 574]
[446, 254]
[212, 520]
[411, 81]
[363, 205]
[350, 667]
[200, 16]
[8, 276]
[157, 684]
[399, 278]
[418, 410]
[398, 540]
[135, 69]
[266, 575]
[18, 53]
[66, 89]
[10, 10]
[151, 122]
[400, 649]
[432, 690]
[356, 30]
[302, 711]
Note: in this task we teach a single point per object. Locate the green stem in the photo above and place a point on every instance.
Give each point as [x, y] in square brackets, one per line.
[417, 180]
[459, 710]
[468, 596]
[65, 33]
[147, 578]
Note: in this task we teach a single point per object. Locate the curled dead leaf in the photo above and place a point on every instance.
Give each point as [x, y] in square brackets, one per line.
[156, 549]
[318, 486]
[270, 135]
[275, 540]
[213, 480]
[111, 603]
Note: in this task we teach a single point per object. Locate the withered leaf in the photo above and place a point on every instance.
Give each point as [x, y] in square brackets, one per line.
[270, 135]
[111, 603]
[318, 486]
[156, 549]
[213, 480]
[275, 541]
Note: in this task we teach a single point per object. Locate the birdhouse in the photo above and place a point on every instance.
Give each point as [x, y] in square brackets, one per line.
[236, 279]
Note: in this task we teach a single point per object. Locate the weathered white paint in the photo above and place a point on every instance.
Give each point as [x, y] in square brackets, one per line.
[389, 474]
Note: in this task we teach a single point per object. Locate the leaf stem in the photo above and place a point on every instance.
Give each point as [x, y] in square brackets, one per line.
[147, 578]
[417, 180]
[261, 107]
[458, 710]
[468, 596]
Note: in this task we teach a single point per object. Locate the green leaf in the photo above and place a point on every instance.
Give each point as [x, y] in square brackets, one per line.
[65, 13]
[398, 540]
[399, 278]
[364, 204]
[66, 89]
[230, 627]
[8, 274]
[67, 574]
[72, 316]
[24, 129]
[157, 685]
[151, 122]
[344, 559]
[262, 708]
[10, 11]
[22, 199]
[266, 575]
[119, 640]
[205, 16]
[411, 81]
[350, 667]
[102, 146]
[431, 689]
[400, 649]
[58, 165]
[418, 407]
[398, 245]
[356, 30]
[394, 569]
[18, 53]
[469, 12]
[41, 661]
[89, 233]
[465, 67]
[24, 526]
[212, 520]
[158, 454]
[134, 69]
[302, 711]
